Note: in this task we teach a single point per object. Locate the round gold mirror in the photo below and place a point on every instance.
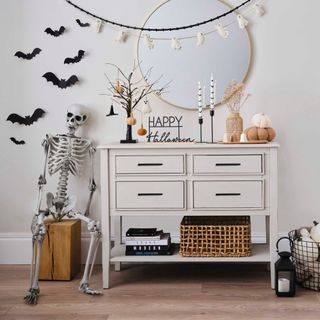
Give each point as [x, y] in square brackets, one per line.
[227, 59]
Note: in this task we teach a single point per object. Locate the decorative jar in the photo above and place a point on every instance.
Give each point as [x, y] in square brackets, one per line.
[234, 126]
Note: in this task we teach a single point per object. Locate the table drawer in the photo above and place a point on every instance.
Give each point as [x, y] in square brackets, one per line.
[150, 195]
[149, 164]
[225, 164]
[228, 194]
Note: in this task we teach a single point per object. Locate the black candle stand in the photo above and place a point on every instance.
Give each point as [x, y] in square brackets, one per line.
[212, 126]
[200, 127]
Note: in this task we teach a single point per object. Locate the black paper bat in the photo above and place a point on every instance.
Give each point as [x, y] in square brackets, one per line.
[27, 120]
[28, 56]
[61, 83]
[14, 140]
[83, 24]
[76, 59]
[55, 33]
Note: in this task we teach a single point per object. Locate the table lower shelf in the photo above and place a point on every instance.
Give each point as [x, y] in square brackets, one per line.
[260, 253]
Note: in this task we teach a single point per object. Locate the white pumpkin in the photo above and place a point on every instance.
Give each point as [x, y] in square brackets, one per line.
[315, 232]
[305, 250]
[261, 120]
[304, 233]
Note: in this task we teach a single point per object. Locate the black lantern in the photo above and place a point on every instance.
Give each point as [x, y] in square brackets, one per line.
[285, 273]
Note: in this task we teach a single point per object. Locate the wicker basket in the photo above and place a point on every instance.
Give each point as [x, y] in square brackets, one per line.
[306, 259]
[215, 236]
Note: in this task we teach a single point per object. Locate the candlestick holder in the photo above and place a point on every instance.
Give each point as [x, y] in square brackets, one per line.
[212, 124]
[200, 128]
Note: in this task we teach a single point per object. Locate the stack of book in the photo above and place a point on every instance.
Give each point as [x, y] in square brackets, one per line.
[147, 241]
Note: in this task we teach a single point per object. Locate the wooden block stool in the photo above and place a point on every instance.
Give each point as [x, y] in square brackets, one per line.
[61, 250]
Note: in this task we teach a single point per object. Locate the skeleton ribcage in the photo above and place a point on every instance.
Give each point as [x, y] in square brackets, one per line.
[66, 154]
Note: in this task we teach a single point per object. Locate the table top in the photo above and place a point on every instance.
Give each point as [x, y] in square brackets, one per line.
[184, 145]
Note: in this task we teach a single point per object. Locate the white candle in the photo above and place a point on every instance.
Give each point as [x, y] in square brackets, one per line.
[211, 92]
[283, 285]
[214, 92]
[243, 137]
[203, 97]
[199, 100]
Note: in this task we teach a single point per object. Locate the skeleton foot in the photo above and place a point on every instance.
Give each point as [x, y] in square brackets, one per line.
[84, 287]
[32, 296]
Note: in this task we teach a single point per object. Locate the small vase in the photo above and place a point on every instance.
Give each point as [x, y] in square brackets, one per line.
[234, 126]
[130, 120]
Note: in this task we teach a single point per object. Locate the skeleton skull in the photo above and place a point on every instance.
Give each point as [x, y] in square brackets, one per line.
[76, 116]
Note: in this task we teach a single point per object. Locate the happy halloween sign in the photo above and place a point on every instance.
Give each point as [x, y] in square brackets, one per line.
[166, 129]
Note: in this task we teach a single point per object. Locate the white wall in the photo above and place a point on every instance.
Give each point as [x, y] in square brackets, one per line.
[284, 82]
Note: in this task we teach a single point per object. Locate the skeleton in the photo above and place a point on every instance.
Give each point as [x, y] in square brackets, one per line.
[65, 154]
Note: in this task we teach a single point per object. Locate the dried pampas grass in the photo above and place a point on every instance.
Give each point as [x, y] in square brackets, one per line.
[233, 96]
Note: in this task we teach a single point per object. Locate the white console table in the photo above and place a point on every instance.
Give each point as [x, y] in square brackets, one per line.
[170, 179]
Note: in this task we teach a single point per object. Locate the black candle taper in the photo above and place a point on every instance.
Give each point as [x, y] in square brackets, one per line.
[213, 85]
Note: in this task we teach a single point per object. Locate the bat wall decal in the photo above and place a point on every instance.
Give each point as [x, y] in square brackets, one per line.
[60, 83]
[83, 24]
[55, 33]
[27, 120]
[14, 140]
[28, 56]
[76, 59]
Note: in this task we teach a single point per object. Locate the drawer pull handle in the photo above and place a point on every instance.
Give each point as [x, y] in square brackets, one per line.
[228, 194]
[228, 164]
[150, 164]
[150, 194]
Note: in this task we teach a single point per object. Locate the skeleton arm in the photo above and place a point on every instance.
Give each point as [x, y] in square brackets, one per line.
[92, 184]
[42, 179]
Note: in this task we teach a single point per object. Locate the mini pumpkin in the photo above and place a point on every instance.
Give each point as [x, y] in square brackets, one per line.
[254, 133]
[306, 247]
[315, 231]
[131, 121]
[142, 131]
[261, 120]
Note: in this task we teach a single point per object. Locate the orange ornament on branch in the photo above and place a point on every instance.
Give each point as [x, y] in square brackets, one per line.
[131, 121]
[142, 131]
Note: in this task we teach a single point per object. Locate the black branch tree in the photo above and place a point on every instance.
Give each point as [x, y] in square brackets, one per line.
[127, 92]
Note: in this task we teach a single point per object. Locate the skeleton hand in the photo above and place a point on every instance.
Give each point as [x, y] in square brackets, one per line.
[42, 180]
[92, 185]
[93, 226]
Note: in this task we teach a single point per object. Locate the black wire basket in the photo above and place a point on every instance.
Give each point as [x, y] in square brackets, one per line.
[306, 258]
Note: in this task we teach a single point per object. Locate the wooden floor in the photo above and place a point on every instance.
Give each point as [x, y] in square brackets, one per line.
[176, 291]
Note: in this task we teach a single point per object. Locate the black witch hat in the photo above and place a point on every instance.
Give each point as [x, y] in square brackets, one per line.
[111, 112]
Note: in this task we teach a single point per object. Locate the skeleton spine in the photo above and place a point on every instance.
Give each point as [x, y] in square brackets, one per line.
[63, 182]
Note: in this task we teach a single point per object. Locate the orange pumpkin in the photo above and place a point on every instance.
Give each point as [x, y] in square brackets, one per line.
[254, 133]
[131, 121]
[142, 131]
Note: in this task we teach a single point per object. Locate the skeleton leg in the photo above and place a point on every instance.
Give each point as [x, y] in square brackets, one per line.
[39, 231]
[95, 235]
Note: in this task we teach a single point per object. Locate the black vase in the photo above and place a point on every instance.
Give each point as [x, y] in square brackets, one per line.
[129, 131]
[129, 135]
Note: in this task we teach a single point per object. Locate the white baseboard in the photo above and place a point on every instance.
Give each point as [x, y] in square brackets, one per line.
[15, 248]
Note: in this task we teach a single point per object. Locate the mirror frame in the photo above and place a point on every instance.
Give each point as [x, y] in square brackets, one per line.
[140, 38]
